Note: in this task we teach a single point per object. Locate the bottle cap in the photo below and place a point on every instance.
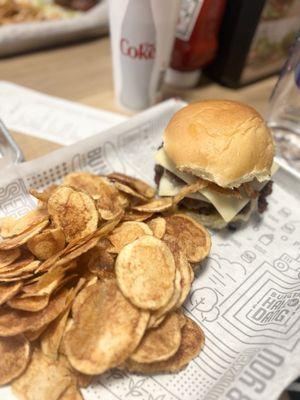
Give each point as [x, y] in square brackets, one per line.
[182, 79]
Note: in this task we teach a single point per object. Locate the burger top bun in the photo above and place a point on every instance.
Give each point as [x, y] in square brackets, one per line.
[222, 141]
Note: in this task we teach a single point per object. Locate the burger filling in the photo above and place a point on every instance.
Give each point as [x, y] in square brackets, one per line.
[231, 204]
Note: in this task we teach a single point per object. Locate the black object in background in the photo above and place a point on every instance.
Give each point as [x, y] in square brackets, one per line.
[254, 40]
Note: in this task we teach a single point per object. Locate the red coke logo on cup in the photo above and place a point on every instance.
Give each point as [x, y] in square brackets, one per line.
[143, 51]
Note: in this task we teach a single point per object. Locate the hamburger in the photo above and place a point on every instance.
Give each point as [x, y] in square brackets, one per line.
[227, 146]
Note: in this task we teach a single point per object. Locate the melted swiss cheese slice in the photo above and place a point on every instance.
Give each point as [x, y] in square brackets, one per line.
[227, 206]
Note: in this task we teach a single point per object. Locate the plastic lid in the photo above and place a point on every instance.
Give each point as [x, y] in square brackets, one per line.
[182, 79]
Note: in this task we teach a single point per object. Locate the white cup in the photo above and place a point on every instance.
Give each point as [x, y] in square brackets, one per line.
[142, 37]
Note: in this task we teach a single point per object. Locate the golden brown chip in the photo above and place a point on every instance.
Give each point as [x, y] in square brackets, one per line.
[183, 265]
[47, 243]
[140, 186]
[7, 257]
[15, 355]
[10, 226]
[106, 195]
[191, 344]
[71, 393]
[50, 341]
[127, 232]
[99, 262]
[123, 200]
[36, 303]
[44, 379]
[189, 189]
[159, 315]
[185, 234]
[34, 335]
[131, 192]
[158, 226]
[20, 269]
[13, 322]
[81, 246]
[145, 272]
[43, 197]
[105, 331]
[81, 297]
[157, 205]
[17, 241]
[8, 291]
[132, 215]
[83, 380]
[160, 343]
[26, 258]
[192, 274]
[45, 284]
[73, 211]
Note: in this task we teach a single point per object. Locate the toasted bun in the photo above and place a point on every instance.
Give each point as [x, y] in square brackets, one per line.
[223, 141]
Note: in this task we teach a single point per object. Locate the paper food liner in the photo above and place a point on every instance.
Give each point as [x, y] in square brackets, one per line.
[246, 297]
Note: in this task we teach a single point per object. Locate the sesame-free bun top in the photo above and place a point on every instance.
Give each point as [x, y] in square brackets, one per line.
[223, 141]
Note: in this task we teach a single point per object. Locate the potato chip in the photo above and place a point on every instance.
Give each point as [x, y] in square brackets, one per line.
[44, 379]
[16, 241]
[36, 303]
[10, 226]
[192, 342]
[192, 274]
[157, 205]
[15, 355]
[81, 246]
[99, 262]
[7, 257]
[189, 189]
[185, 234]
[159, 315]
[25, 258]
[73, 211]
[20, 269]
[82, 380]
[145, 272]
[160, 343]
[81, 297]
[132, 215]
[158, 226]
[9, 291]
[129, 191]
[124, 200]
[13, 322]
[183, 265]
[34, 335]
[127, 232]
[43, 197]
[105, 331]
[47, 243]
[101, 189]
[50, 340]
[45, 284]
[140, 186]
[71, 393]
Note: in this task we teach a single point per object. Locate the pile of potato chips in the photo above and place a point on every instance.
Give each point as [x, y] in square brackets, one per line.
[93, 279]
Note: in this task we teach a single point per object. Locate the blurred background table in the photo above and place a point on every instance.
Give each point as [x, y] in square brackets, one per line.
[83, 73]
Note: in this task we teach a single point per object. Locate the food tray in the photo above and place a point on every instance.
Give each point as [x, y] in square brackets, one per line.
[246, 296]
[22, 37]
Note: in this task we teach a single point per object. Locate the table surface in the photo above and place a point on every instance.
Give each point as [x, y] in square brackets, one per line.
[83, 73]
